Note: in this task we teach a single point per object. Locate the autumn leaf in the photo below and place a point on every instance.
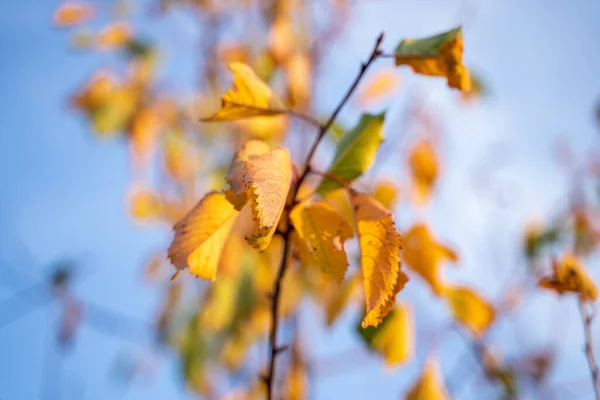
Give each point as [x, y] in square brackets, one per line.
[380, 245]
[394, 337]
[469, 309]
[145, 205]
[299, 77]
[219, 309]
[113, 36]
[355, 152]
[424, 167]
[337, 298]
[570, 276]
[325, 232]
[386, 193]
[263, 177]
[423, 254]
[248, 96]
[429, 386]
[72, 13]
[438, 55]
[379, 86]
[201, 235]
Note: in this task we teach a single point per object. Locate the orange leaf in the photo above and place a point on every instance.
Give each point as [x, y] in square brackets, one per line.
[72, 13]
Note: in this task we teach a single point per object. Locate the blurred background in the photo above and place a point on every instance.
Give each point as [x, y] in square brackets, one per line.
[89, 195]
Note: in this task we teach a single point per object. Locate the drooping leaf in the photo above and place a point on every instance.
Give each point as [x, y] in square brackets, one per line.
[355, 152]
[423, 254]
[438, 55]
[263, 177]
[72, 13]
[424, 168]
[380, 246]
[470, 309]
[394, 337]
[325, 232]
[201, 235]
[248, 96]
[430, 385]
[570, 276]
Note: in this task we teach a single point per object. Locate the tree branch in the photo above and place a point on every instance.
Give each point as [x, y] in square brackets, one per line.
[587, 317]
[274, 349]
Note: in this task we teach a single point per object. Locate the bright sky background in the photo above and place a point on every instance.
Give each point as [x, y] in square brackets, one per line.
[63, 190]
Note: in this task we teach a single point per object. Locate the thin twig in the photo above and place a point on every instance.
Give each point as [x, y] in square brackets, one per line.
[275, 349]
[305, 117]
[589, 350]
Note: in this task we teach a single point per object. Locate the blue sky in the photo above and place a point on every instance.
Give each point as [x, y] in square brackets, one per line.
[63, 190]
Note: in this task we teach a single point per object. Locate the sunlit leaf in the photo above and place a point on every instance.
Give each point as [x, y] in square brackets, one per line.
[383, 83]
[201, 234]
[355, 152]
[394, 337]
[72, 13]
[470, 309]
[114, 36]
[386, 193]
[430, 385]
[570, 276]
[145, 205]
[424, 255]
[424, 167]
[380, 246]
[438, 55]
[263, 177]
[325, 232]
[248, 96]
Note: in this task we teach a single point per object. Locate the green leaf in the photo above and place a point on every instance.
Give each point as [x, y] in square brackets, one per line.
[429, 46]
[355, 152]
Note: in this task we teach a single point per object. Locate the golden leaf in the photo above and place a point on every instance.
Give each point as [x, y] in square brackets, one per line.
[201, 235]
[569, 276]
[72, 13]
[439, 55]
[297, 382]
[299, 80]
[113, 36]
[145, 205]
[424, 168]
[219, 309]
[386, 193]
[468, 308]
[248, 96]
[424, 255]
[395, 340]
[96, 92]
[262, 176]
[381, 85]
[325, 232]
[337, 298]
[429, 386]
[380, 246]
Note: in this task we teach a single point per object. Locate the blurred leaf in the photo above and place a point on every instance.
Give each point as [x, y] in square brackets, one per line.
[299, 76]
[383, 83]
[262, 176]
[247, 97]
[438, 55]
[201, 235]
[386, 193]
[145, 206]
[116, 35]
[379, 244]
[324, 232]
[355, 152]
[423, 162]
[72, 13]
[569, 276]
[429, 386]
[470, 309]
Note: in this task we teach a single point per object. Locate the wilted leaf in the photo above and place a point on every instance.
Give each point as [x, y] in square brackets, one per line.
[424, 168]
[429, 386]
[468, 308]
[424, 255]
[248, 96]
[201, 235]
[355, 152]
[380, 246]
[325, 232]
[262, 176]
[381, 85]
[569, 276]
[439, 55]
[394, 337]
[72, 13]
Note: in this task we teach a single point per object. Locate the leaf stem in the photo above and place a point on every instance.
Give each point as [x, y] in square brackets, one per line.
[587, 318]
[273, 347]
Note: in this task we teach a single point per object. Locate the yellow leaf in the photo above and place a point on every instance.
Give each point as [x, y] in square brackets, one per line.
[113, 36]
[219, 309]
[201, 235]
[380, 246]
[299, 80]
[96, 92]
[386, 193]
[395, 340]
[248, 96]
[429, 386]
[384, 83]
[262, 176]
[144, 130]
[439, 55]
[297, 382]
[470, 309]
[72, 13]
[424, 255]
[569, 276]
[338, 199]
[337, 298]
[325, 232]
[145, 205]
[424, 168]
